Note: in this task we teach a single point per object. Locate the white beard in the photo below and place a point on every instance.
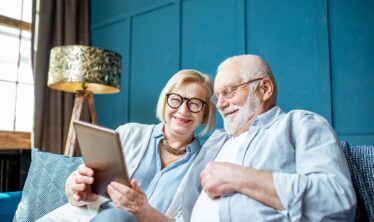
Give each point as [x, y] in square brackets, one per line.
[242, 116]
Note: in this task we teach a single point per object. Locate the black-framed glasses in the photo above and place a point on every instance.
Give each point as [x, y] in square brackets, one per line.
[229, 92]
[194, 105]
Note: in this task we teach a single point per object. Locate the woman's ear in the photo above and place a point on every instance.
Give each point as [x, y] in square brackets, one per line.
[267, 89]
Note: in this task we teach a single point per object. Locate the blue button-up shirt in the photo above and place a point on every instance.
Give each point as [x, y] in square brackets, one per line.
[160, 185]
[309, 169]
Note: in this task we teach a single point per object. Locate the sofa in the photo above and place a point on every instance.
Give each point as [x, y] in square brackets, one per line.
[44, 186]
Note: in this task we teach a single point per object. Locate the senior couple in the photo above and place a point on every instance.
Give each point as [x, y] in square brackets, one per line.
[266, 165]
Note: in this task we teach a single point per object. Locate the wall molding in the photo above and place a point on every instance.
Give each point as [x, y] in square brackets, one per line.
[133, 13]
[324, 59]
[241, 29]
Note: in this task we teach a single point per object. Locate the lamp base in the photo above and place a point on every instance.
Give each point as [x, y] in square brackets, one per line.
[80, 97]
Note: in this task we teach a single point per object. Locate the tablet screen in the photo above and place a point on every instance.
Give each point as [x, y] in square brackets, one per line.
[101, 151]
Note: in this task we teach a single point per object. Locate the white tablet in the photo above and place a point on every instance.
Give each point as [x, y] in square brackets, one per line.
[102, 151]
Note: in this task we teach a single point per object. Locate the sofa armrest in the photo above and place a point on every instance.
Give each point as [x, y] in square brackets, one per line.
[8, 204]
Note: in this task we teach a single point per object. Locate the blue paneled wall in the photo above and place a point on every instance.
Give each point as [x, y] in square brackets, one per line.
[321, 52]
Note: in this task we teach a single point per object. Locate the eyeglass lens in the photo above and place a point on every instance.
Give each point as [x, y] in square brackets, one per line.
[229, 92]
[193, 104]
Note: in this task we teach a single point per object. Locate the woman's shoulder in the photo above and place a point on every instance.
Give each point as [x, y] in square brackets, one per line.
[135, 128]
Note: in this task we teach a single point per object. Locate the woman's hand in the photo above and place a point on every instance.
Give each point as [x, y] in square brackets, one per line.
[77, 186]
[132, 199]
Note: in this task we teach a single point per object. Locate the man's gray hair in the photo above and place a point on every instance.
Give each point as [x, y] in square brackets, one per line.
[252, 67]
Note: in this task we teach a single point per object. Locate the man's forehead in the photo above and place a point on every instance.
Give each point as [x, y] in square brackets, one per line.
[225, 77]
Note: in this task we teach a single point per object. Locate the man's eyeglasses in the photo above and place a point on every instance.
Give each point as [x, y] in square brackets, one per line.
[229, 92]
[194, 105]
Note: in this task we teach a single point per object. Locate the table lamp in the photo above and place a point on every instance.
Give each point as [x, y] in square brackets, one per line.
[85, 71]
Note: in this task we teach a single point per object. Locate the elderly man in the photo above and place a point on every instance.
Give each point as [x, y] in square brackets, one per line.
[267, 165]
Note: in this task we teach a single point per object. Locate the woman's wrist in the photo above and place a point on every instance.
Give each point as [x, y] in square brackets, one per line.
[145, 213]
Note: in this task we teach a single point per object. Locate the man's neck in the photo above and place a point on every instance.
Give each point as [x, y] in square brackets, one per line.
[245, 127]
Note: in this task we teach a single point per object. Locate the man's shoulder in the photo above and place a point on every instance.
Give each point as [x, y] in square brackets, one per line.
[217, 135]
[301, 116]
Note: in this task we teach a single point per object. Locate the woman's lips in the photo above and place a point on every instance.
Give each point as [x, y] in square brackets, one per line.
[182, 120]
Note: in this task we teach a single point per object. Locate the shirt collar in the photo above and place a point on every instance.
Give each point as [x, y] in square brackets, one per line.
[157, 131]
[267, 118]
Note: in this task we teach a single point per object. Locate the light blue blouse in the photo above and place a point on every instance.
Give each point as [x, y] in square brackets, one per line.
[160, 185]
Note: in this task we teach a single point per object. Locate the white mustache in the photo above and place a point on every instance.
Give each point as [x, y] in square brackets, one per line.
[229, 109]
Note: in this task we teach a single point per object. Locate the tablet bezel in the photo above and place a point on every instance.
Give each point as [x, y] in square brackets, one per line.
[101, 149]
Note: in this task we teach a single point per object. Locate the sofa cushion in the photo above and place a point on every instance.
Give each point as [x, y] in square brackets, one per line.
[361, 165]
[44, 186]
[8, 204]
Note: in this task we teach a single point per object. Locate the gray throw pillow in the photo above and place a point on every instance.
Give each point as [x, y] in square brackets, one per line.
[360, 160]
[45, 183]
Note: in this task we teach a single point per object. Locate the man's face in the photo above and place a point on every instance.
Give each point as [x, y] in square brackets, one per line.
[241, 107]
[245, 112]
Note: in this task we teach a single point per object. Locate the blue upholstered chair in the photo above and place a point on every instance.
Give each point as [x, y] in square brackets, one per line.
[8, 205]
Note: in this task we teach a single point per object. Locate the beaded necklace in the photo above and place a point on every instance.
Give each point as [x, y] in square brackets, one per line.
[172, 150]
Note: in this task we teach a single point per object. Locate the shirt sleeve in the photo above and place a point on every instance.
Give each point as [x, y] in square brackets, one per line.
[321, 188]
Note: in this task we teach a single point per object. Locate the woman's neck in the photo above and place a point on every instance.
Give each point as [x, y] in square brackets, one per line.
[176, 140]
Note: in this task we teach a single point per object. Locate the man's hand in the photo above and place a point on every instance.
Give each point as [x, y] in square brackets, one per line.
[219, 178]
[77, 186]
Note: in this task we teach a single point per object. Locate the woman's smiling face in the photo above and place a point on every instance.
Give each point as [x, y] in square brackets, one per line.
[181, 121]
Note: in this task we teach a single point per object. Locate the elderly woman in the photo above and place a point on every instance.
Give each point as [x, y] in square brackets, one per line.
[158, 156]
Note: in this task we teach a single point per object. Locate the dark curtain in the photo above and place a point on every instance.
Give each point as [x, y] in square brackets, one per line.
[60, 22]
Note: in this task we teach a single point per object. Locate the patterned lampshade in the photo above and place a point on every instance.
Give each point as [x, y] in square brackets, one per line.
[74, 68]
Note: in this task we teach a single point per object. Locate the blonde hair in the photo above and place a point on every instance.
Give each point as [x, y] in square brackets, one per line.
[190, 76]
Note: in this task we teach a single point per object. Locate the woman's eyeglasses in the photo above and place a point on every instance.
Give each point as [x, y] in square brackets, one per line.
[194, 105]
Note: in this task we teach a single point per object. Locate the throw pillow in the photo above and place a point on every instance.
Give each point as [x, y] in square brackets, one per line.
[45, 183]
[360, 160]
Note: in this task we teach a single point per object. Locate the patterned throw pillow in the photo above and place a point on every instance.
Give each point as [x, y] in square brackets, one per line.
[45, 183]
[360, 160]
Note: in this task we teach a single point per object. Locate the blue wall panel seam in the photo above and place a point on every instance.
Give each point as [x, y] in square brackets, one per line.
[324, 56]
[245, 32]
[180, 37]
[356, 134]
[329, 59]
[131, 13]
[241, 27]
[129, 67]
[109, 21]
